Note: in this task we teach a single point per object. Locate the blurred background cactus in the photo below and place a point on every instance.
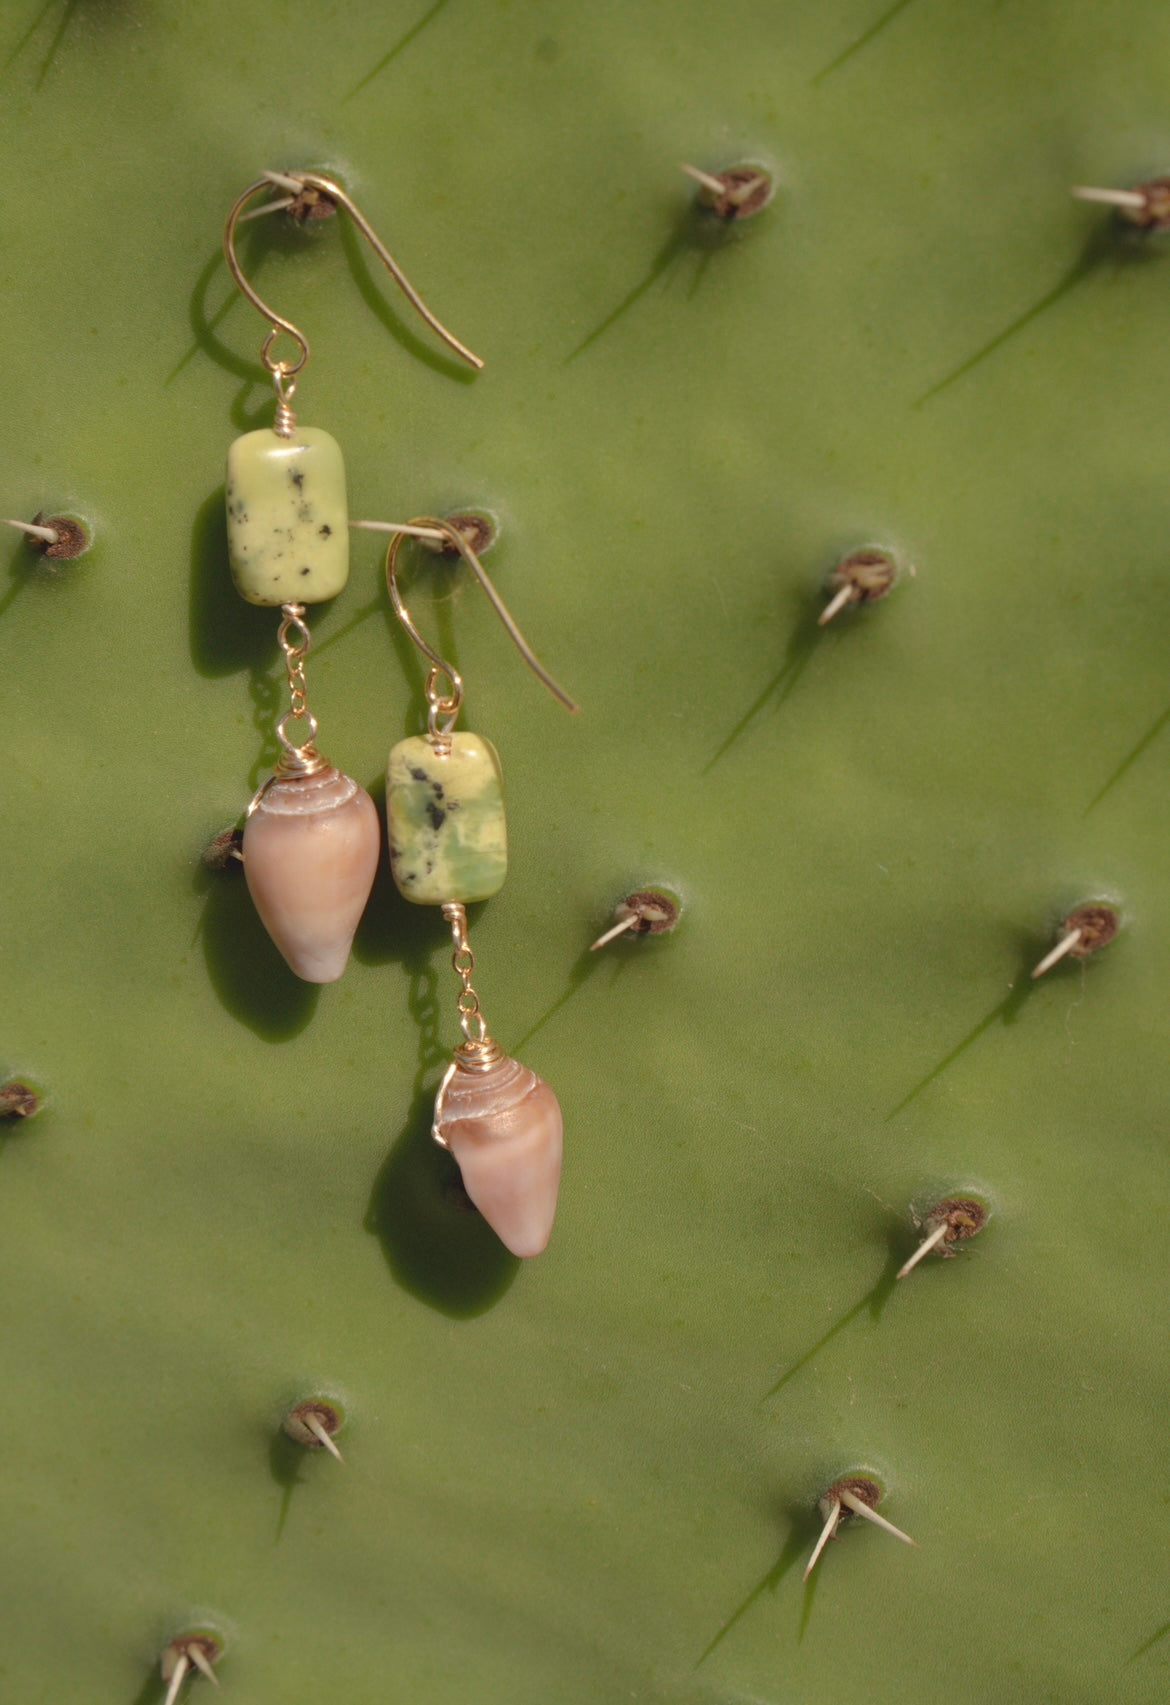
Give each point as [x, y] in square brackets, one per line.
[596, 1477]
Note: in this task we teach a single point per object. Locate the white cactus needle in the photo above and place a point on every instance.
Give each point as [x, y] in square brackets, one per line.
[202, 1663]
[925, 1247]
[860, 1508]
[629, 922]
[827, 1533]
[177, 1674]
[843, 595]
[1064, 945]
[323, 1437]
[33, 531]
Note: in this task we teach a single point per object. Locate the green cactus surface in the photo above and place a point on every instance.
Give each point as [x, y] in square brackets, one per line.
[593, 1477]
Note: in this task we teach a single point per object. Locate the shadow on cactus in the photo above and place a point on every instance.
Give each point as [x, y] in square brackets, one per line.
[864, 576]
[250, 979]
[152, 1691]
[393, 932]
[875, 1300]
[372, 294]
[1007, 1011]
[20, 571]
[30, 563]
[802, 1531]
[435, 1242]
[863, 40]
[20, 1101]
[437, 1246]
[243, 415]
[697, 233]
[579, 975]
[285, 1461]
[225, 633]
[1120, 770]
[87, 13]
[402, 43]
[280, 234]
[1113, 243]
[802, 643]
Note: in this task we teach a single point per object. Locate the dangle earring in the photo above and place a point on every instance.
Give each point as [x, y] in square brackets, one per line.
[311, 841]
[448, 847]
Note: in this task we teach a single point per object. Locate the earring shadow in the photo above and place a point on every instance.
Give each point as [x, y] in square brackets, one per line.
[249, 977]
[391, 930]
[203, 325]
[225, 633]
[370, 290]
[257, 245]
[414, 714]
[437, 1246]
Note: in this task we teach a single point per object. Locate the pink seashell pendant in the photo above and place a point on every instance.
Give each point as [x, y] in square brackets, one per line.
[503, 1125]
[310, 851]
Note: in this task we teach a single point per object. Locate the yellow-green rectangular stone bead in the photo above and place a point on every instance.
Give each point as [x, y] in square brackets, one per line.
[288, 524]
[445, 817]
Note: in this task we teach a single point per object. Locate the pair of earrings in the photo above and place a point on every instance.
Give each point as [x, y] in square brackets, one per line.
[312, 842]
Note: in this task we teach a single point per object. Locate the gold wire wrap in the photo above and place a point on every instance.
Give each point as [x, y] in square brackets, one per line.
[303, 758]
[463, 964]
[446, 704]
[440, 1096]
[285, 423]
[331, 189]
[477, 1051]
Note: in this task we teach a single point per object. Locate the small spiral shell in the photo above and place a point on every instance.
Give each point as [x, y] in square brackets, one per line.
[310, 854]
[503, 1125]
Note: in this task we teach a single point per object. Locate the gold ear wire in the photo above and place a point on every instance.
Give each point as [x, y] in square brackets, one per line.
[329, 188]
[446, 704]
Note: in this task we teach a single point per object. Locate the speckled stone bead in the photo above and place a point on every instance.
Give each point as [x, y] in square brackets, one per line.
[445, 817]
[288, 525]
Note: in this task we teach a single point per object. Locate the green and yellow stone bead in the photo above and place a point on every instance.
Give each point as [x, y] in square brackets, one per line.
[445, 817]
[288, 523]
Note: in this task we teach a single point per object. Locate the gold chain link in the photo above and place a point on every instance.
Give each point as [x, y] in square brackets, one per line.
[463, 963]
[294, 657]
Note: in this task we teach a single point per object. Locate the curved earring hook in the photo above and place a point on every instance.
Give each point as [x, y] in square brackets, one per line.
[447, 704]
[329, 188]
